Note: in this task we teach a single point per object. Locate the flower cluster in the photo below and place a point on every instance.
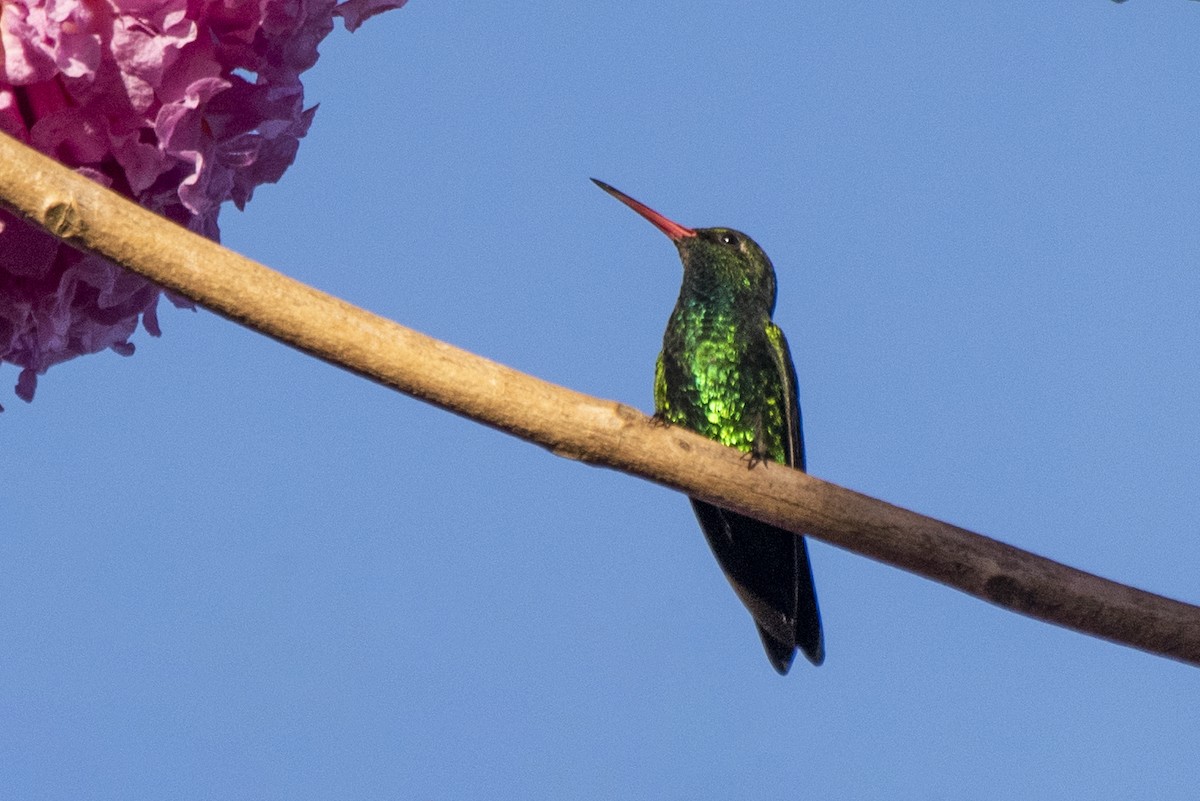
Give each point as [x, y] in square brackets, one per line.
[178, 104]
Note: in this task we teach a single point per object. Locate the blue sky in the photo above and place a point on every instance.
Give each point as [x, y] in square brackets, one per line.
[231, 571]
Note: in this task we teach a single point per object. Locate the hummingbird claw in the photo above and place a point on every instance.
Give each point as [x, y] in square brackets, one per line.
[755, 457]
[759, 452]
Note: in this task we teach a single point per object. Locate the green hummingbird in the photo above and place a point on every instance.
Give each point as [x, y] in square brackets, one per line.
[725, 371]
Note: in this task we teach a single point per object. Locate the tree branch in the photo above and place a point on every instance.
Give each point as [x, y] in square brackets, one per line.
[577, 426]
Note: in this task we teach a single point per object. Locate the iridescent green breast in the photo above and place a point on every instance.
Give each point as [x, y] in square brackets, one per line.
[719, 375]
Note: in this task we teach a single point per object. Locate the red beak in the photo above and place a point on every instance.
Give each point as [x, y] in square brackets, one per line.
[668, 227]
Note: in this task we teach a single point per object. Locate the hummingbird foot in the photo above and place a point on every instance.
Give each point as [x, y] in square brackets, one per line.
[759, 452]
[755, 457]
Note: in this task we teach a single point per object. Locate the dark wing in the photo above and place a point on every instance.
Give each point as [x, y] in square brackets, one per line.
[782, 356]
[806, 615]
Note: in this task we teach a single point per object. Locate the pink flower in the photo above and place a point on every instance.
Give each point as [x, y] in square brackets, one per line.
[178, 104]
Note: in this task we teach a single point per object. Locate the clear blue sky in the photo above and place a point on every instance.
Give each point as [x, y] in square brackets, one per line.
[229, 571]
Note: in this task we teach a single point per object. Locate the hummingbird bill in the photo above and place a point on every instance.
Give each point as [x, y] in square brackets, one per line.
[725, 372]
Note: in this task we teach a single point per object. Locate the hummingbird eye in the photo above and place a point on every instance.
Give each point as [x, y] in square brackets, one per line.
[729, 239]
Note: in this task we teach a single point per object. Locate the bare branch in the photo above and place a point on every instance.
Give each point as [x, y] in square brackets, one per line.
[577, 426]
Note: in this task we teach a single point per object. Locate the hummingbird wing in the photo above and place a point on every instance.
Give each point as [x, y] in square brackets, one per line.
[767, 566]
[807, 615]
[782, 355]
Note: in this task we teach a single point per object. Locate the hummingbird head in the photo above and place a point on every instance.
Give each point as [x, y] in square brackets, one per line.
[719, 261]
[716, 261]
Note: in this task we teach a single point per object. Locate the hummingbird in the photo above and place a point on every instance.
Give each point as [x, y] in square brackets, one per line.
[725, 372]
